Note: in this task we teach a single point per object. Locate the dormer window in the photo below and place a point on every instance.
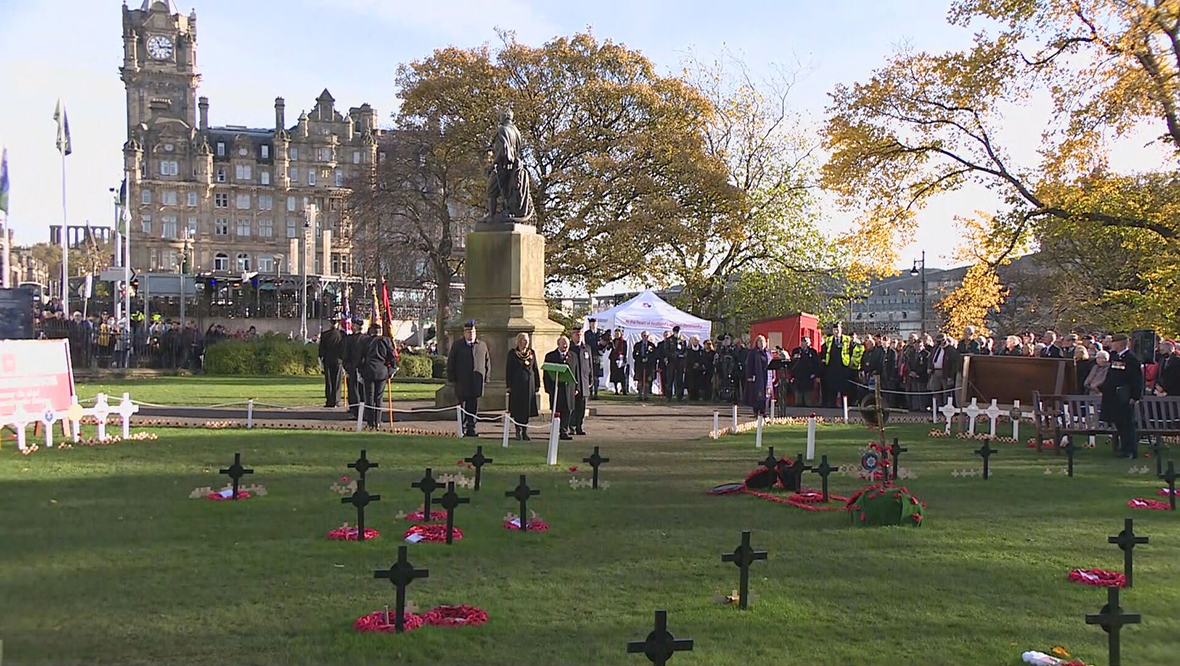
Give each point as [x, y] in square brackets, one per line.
[264, 151]
[221, 149]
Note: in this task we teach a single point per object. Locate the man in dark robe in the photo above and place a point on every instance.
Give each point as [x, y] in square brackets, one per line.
[561, 393]
[581, 363]
[468, 368]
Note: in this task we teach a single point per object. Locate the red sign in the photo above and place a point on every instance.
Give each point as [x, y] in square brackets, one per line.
[35, 375]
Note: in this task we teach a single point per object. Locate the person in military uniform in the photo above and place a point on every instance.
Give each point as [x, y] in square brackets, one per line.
[561, 393]
[1121, 390]
[380, 363]
[331, 354]
[468, 368]
[618, 362]
[581, 362]
[694, 369]
[523, 377]
[594, 341]
[643, 357]
[356, 392]
[675, 352]
[805, 369]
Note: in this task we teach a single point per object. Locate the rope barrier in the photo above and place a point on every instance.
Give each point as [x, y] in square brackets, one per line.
[865, 386]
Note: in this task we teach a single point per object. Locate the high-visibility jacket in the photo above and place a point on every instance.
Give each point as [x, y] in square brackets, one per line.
[850, 352]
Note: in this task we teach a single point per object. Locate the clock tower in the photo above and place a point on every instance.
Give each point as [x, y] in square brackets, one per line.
[159, 66]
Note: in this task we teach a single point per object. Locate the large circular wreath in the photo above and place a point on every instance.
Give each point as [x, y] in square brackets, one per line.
[375, 622]
[455, 616]
[1098, 578]
[433, 533]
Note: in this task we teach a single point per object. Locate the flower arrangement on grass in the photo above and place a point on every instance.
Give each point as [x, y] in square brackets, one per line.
[1144, 503]
[883, 504]
[227, 493]
[535, 524]
[348, 533]
[382, 621]
[1097, 578]
[431, 533]
[419, 517]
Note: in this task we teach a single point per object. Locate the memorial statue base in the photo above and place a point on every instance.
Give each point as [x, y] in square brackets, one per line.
[505, 295]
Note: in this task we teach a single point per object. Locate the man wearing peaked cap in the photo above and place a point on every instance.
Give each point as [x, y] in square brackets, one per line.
[468, 368]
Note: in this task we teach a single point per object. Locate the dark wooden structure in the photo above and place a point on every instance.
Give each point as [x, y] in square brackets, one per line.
[1011, 378]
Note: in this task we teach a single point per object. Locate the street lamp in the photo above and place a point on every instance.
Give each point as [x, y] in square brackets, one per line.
[309, 214]
[920, 269]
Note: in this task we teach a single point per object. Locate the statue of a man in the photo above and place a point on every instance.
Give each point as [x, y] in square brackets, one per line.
[507, 179]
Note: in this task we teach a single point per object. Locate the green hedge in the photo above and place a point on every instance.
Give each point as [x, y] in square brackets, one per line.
[439, 367]
[270, 354]
[414, 366]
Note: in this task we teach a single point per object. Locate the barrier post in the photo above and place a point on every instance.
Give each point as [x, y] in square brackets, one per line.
[735, 419]
[360, 416]
[250, 413]
[758, 438]
[811, 437]
[845, 409]
[1016, 421]
[773, 410]
[551, 458]
[75, 423]
[459, 420]
[507, 419]
[716, 424]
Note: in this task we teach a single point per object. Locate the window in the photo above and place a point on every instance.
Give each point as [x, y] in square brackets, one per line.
[146, 224]
[293, 153]
[145, 196]
[168, 197]
[325, 154]
[356, 157]
[221, 200]
[192, 226]
[292, 227]
[339, 178]
[264, 151]
[264, 177]
[333, 204]
[242, 202]
[171, 260]
[265, 202]
[221, 227]
[221, 149]
[243, 228]
[311, 176]
[293, 173]
[221, 174]
[154, 261]
[242, 172]
[169, 168]
[265, 228]
[266, 264]
[192, 199]
[221, 262]
[243, 261]
[291, 204]
[168, 227]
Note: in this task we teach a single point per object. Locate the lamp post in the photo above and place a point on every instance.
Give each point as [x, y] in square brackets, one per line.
[920, 269]
[184, 269]
[309, 214]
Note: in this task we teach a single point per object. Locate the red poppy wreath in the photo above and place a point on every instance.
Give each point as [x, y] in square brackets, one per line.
[431, 534]
[1098, 578]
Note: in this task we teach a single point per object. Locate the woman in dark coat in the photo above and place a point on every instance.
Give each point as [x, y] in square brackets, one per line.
[524, 379]
[756, 368]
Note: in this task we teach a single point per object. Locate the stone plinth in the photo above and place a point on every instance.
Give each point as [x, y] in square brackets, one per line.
[505, 294]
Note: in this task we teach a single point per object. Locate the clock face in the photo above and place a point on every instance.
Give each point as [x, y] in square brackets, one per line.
[159, 47]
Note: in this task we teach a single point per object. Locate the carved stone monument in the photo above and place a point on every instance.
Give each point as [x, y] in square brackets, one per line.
[505, 272]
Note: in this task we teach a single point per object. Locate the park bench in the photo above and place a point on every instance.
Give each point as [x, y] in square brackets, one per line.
[1069, 415]
[1158, 417]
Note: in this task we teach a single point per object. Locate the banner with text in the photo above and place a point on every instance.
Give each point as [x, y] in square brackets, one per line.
[35, 376]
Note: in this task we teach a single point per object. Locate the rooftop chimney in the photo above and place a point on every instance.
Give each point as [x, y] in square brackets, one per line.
[280, 114]
[203, 104]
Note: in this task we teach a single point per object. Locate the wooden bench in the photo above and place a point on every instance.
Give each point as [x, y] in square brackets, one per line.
[1158, 417]
[1069, 415]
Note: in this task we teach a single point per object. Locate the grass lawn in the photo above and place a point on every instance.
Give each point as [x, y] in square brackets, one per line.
[105, 560]
[201, 390]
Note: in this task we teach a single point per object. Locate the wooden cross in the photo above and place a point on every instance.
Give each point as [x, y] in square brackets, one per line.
[972, 411]
[895, 451]
[1127, 540]
[427, 485]
[987, 452]
[522, 493]
[450, 501]
[360, 499]
[743, 556]
[660, 644]
[478, 461]
[594, 460]
[824, 469]
[1112, 619]
[1170, 477]
[362, 465]
[797, 467]
[770, 462]
[1070, 449]
[401, 574]
[1157, 446]
[236, 472]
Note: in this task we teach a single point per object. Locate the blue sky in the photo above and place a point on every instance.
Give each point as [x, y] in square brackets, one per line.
[249, 52]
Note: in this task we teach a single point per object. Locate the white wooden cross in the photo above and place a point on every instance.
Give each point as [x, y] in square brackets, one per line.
[948, 410]
[74, 415]
[101, 411]
[20, 421]
[972, 411]
[49, 417]
[993, 412]
[126, 409]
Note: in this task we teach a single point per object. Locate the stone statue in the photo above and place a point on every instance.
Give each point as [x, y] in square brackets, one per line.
[508, 180]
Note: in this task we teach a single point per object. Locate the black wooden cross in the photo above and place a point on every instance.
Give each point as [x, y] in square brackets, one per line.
[987, 452]
[236, 472]
[797, 467]
[360, 499]
[824, 470]
[1127, 540]
[522, 493]
[1070, 449]
[1157, 446]
[1170, 477]
[770, 461]
[660, 645]
[450, 501]
[743, 556]
[362, 465]
[478, 461]
[427, 485]
[401, 574]
[895, 452]
[1112, 619]
[595, 460]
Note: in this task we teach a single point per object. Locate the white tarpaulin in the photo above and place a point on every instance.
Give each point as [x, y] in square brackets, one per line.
[647, 312]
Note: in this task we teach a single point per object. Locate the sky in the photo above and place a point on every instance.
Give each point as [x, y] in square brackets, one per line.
[250, 52]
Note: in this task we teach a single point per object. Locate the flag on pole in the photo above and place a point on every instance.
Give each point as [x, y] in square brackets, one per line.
[347, 311]
[124, 209]
[4, 180]
[63, 129]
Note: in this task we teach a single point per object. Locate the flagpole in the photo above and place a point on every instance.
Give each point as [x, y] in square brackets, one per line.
[65, 245]
[125, 250]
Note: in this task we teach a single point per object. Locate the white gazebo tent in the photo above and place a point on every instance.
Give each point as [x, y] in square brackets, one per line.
[647, 312]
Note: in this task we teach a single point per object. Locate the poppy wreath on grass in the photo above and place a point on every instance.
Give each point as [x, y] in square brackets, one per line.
[376, 622]
[455, 616]
[1164, 492]
[346, 533]
[1098, 578]
[433, 533]
[535, 525]
[218, 497]
[1143, 503]
[419, 517]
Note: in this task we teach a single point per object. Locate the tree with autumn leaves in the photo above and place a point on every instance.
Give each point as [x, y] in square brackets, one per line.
[926, 124]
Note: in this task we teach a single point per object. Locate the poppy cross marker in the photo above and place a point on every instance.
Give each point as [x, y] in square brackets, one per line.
[770, 462]
[450, 501]
[1170, 477]
[362, 465]
[522, 493]
[660, 644]
[360, 499]
[594, 460]
[1126, 541]
[427, 485]
[986, 451]
[743, 556]
[895, 451]
[236, 472]
[401, 574]
[478, 461]
[824, 470]
[1112, 619]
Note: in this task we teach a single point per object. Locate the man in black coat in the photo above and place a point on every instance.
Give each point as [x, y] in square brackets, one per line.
[805, 368]
[561, 393]
[594, 340]
[380, 362]
[581, 362]
[468, 368]
[331, 359]
[356, 392]
[675, 355]
[643, 358]
[1122, 388]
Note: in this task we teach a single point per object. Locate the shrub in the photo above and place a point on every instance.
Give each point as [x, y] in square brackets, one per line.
[414, 366]
[270, 354]
[438, 367]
